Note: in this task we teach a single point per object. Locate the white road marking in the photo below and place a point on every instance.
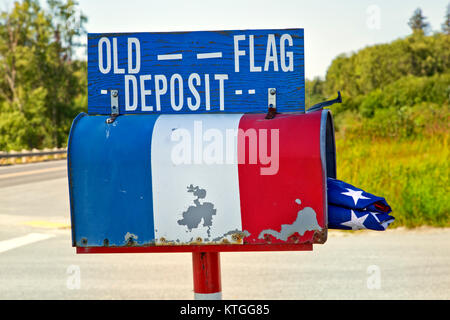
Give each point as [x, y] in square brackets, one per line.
[237, 91]
[10, 244]
[251, 91]
[209, 55]
[177, 56]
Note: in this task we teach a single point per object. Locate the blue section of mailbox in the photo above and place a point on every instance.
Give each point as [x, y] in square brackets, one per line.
[111, 161]
[196, 72]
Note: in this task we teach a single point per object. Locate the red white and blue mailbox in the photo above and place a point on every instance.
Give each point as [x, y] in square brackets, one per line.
[178, 153]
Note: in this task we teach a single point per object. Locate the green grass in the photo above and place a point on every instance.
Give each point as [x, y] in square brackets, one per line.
[410, 173]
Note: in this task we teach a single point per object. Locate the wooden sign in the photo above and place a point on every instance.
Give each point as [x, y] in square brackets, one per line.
[196, 72]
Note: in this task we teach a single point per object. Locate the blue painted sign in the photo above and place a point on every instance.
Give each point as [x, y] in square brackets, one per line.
[196, 72]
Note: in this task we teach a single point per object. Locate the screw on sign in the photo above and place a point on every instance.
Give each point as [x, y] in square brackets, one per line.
[204, 146]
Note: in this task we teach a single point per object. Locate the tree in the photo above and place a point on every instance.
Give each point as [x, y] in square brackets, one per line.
[417, 22]
[39, 81]
[446, 24]
[66, 26]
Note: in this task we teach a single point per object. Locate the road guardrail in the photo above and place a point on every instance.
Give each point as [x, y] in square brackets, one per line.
[34, 155]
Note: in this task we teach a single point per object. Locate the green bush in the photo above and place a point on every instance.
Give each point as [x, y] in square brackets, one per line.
[407, 91]
[378, 66]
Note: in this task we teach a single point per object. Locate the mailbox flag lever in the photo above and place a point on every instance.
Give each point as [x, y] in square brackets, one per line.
[321, 105]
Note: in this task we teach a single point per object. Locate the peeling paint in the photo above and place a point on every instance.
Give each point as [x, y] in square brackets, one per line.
[236, 233]
[236, 237]
[164, 242]
[320, 236]
[130, 237]
[306, 221]
[194, 215]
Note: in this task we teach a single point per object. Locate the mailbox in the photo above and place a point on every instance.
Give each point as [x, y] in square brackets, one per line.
[178, 153]
[200, 182]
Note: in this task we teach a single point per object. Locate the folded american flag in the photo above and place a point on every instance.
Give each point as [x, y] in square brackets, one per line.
[350, 208]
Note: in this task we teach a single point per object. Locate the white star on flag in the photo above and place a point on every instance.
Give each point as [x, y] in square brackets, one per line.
[374, 214]
[356, 195]
[355, 223]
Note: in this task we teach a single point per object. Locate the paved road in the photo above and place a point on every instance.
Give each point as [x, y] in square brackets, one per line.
[34, 172]
[38, 262]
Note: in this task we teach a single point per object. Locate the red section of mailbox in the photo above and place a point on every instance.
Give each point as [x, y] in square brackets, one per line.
[289, 206]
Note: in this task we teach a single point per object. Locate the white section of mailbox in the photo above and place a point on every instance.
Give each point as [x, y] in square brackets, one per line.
[195, 194]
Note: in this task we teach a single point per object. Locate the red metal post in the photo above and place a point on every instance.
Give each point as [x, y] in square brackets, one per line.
[206, 269]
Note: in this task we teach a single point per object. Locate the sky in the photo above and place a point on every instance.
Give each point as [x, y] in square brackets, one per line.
[331, 27]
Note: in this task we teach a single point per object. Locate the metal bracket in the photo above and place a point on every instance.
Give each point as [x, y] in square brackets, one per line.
[272, 103]
[114, 106]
